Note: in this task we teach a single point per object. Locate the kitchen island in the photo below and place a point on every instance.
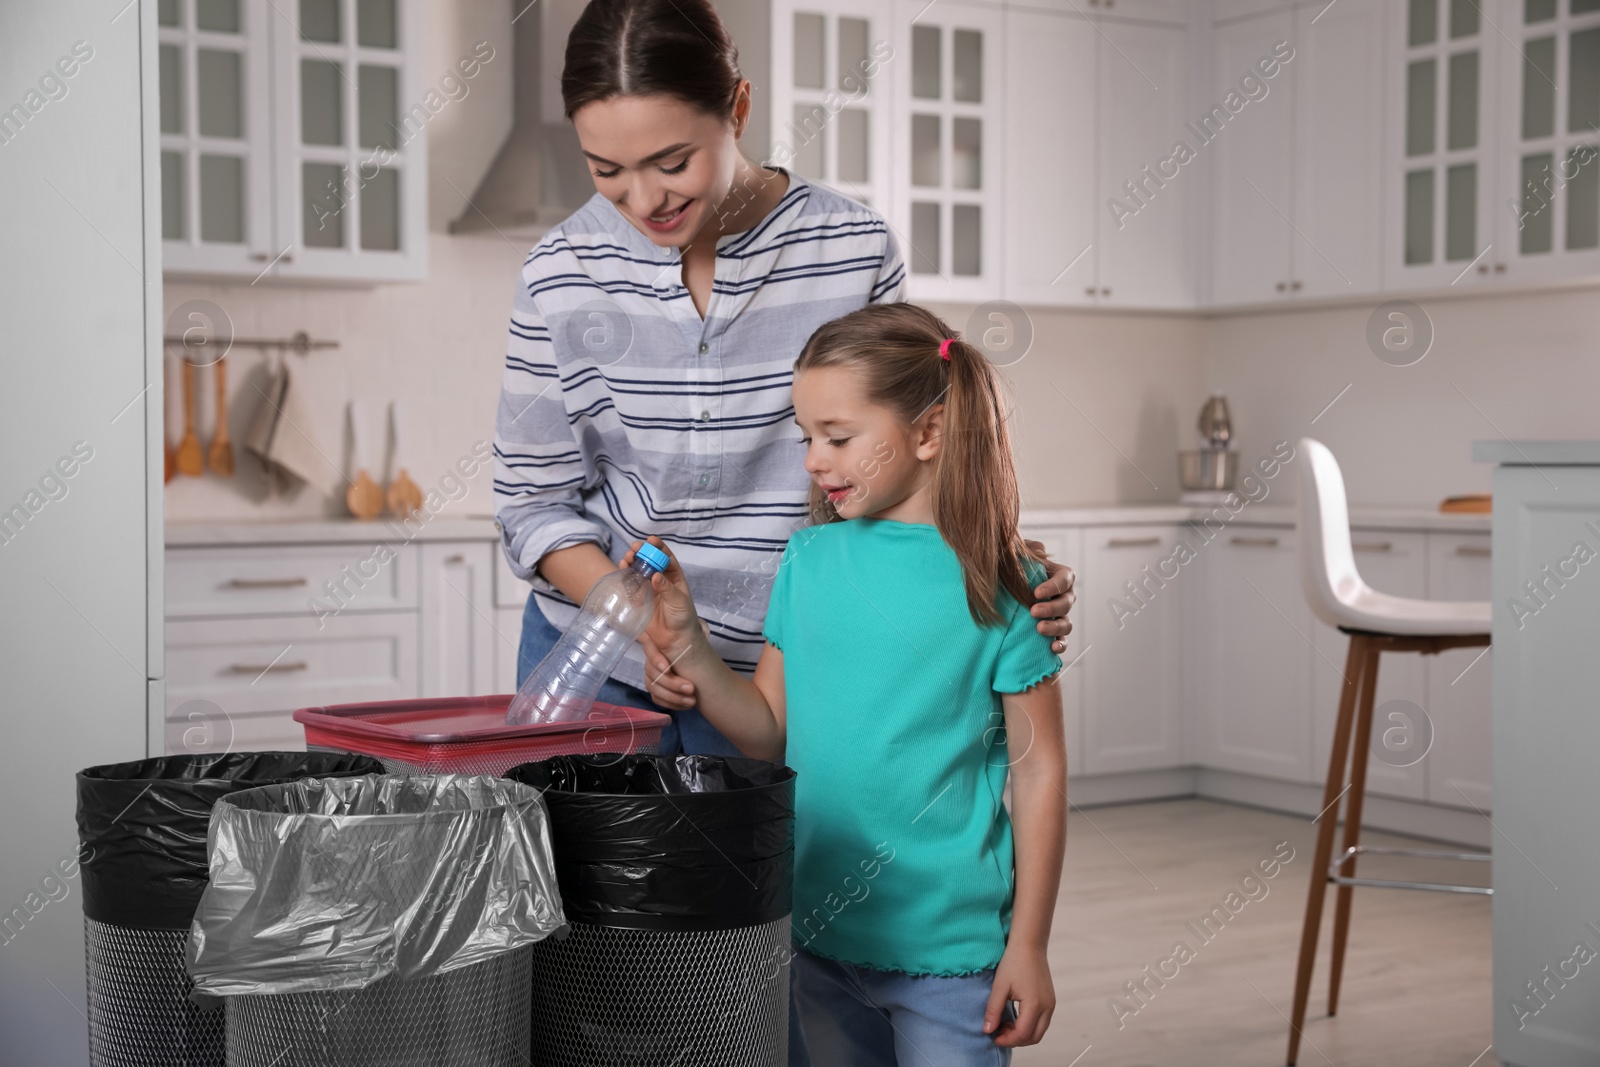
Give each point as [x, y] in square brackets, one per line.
[1546, 736]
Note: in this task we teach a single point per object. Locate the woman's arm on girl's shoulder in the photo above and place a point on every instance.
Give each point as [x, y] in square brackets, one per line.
[1037, 754]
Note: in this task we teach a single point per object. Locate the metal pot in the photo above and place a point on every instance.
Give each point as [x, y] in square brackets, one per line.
[1208, 468]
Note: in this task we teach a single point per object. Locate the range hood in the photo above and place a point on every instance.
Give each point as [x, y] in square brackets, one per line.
[539, 176]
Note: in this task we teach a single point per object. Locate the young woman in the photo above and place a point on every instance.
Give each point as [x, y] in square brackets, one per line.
[647, 376]
[902, 679]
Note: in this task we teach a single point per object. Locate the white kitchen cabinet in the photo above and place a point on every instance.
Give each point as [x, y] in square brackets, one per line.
[1442, 137]
[1050, 178]
[460, 632]
[510, 598]
[294, 139]
[1297, 175]
[831, 69]
[1252, 167]
[946, 107]
[1144, 255]
[1394, 562]
[1065, 545]
[1548, 156]
[1459, 686]
[1131, 589]
[245, 581]
[1253, 671]
[232, 683]
[1176, 12]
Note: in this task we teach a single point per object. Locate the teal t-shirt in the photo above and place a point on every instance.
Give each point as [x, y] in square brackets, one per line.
[896, 733]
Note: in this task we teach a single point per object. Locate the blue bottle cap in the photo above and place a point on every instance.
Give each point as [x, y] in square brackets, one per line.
[652, 557]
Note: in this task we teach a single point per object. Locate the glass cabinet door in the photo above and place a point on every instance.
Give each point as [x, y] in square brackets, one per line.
[948, 135]
[1444, 185]
[830, 116]
[216, 206]
[1550, 210]
[350, 138]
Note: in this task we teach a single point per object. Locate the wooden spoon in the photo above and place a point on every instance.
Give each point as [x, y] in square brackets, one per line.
[364, 498]
[190, 459]
[171, 459]
[404, 496]
[221, 457]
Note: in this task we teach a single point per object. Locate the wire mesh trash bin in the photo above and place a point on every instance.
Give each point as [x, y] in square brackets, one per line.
[675, 874]
[142, 834]
[384, 920]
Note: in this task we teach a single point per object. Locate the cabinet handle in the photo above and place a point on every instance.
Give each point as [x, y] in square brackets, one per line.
[1499, 268]
[1471, 550]
[1132, 542]
[1282, 287]
[1089, 291]
[1483, 268]
[1295, 286]
[457, 558]
[264, 668]
[265, 583]
[1106, 292]
[1255, 542]
[1373, 546]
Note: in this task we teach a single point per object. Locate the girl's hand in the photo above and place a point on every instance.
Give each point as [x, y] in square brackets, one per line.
[1023, 976]
[1056, 597]
[675, 627]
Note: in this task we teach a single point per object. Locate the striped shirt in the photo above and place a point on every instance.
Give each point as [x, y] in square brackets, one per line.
[623, 413]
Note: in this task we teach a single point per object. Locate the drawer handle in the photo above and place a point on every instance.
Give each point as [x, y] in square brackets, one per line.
[1373, 546]
[457, 558]
[266, 583]
[1132, 542]
[1255, 542]
[1471, 550]
[264, 668]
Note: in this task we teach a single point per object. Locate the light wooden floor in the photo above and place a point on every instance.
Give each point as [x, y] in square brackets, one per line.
[1416, 989]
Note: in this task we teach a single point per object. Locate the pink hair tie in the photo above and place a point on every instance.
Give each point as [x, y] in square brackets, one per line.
[944, 348]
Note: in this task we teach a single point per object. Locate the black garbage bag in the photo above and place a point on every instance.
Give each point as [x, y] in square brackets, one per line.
[646, 842]
[142, 826]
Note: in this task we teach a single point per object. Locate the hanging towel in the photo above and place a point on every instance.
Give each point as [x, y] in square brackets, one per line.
[285, 435]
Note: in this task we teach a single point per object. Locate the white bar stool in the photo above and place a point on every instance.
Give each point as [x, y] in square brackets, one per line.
[1377, 623]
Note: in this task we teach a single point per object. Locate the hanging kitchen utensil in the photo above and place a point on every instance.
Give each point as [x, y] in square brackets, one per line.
[221, 458]
[171, 459]
[364, 498]
[404, 496]
[191, 460]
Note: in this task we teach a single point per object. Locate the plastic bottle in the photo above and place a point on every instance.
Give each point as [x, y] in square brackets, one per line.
[563, 687]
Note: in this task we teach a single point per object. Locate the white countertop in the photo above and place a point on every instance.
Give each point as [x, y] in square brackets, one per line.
[1550, 453]
[482, 528]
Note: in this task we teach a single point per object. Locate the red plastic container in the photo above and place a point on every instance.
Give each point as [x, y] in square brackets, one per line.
[469, 735]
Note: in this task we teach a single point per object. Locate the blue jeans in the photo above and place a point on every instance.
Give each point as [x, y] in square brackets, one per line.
[859, 1017]
[689, 732]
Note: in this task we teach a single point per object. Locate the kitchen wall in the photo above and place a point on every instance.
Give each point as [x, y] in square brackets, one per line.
[1102, 401]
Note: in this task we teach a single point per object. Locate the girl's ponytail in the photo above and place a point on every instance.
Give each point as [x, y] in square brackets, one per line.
[910, 361]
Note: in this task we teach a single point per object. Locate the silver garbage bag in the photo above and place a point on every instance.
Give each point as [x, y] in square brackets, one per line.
[383, 919]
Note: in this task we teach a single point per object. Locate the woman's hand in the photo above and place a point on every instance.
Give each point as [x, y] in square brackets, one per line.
[673, 629]
[1023, 976]
[1055, 599]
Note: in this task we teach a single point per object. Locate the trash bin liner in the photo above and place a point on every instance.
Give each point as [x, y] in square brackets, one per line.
[142, 830]
[376, 920]
[676, 874]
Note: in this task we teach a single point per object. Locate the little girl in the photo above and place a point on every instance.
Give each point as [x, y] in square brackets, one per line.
[903, 679]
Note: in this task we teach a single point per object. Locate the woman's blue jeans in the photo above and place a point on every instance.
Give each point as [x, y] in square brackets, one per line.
[688, 733]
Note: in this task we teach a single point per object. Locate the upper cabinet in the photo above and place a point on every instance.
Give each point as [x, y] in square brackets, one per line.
[1496, 142]
[1297, 165]
[945, 99]
[293, 139]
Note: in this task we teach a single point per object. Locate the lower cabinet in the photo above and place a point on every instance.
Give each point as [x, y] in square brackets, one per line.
[1250, 631]
[1458, 681]
[1392, 562]
[1130, 611]
[458, 626]
[1064, 544]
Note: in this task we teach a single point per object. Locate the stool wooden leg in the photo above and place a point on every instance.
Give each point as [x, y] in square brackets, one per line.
[1355, 663]
[1352, 819]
